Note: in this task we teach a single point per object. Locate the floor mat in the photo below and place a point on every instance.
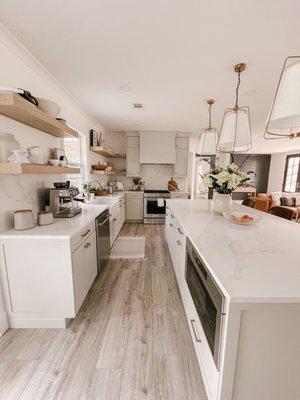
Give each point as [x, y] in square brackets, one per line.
[128, 247]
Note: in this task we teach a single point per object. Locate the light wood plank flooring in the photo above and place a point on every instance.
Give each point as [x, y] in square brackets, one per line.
[130, 340]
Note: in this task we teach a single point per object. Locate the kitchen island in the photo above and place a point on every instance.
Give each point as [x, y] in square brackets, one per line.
[255, 270]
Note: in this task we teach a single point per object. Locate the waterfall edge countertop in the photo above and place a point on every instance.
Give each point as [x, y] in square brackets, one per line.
[258, 263]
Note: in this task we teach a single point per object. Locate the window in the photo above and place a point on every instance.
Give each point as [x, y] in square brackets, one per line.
[74, 150]
[291, 182]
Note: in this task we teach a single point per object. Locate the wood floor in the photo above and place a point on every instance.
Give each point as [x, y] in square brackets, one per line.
[130, 340]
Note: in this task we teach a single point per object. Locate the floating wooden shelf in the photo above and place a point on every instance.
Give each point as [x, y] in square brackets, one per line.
[17, 169]
[106, 152]
[14, 106]
[99, 172]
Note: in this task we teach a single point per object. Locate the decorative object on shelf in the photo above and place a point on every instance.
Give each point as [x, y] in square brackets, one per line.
[137, 183]
[35, 155]
[106, 152]
[224, 180]
[45, 218]
[207, 142]
[173, 186]
[95, 138]
[62, 120]
[23, 219]
[58, 153]
[63, 161]
[8, 143]
[48, 106]
[21, 92]
[54, 162]
[284, 117]
[19, 156]
[235, 133]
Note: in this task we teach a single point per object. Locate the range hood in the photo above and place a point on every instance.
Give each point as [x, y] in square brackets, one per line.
[157, 147]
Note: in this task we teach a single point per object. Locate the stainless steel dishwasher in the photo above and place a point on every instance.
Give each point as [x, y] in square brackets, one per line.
[103, 239]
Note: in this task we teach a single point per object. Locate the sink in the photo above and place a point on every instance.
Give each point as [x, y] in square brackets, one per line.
[104, 200]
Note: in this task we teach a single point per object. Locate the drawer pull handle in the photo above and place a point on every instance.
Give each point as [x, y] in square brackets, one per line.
[172, 216]
[84, 234]
[87, 245]
[180, 231]
[195, 330]
[171, 225]
[179, 242]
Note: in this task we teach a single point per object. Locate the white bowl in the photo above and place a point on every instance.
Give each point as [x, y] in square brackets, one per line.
[54, 163]
[48, 107]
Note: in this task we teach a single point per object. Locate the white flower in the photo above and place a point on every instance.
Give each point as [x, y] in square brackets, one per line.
[207, 181]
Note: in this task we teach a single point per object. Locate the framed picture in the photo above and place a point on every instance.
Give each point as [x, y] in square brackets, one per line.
[95, 138]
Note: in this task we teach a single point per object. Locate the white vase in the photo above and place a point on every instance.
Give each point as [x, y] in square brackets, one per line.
[222, 203]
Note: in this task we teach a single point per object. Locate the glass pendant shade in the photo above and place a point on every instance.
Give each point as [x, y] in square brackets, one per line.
[284, 118]
[235, 134]
[207, 142]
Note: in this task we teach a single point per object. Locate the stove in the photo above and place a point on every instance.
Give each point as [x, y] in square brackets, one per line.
[155, 206]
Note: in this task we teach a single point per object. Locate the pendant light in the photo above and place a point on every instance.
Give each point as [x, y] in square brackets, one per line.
[207, 142]
[235, 133]
[284, 117]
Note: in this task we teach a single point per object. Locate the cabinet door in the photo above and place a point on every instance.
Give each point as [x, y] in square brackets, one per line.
[90, 260]
[79, 276]
[133, 141]
[182, 142]
[180, 167]
[113, 221]
[133, 161]
[134, 209]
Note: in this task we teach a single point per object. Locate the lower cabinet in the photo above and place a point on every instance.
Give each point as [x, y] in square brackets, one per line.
[84, 264]
[134, 206]
[117, 219]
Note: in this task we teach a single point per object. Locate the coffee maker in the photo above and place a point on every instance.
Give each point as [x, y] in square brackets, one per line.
[60, 200]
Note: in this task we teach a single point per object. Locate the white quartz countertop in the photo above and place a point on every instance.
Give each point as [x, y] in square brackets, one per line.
[258, 263]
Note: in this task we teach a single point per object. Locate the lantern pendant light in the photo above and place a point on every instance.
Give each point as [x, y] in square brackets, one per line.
[284, 117]
[207, 142]
[235, 133]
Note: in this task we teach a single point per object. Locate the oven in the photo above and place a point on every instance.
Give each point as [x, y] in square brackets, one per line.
[208, 299]
[155, 206]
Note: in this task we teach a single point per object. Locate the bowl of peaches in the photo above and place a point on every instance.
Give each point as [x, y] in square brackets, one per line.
[243, 218]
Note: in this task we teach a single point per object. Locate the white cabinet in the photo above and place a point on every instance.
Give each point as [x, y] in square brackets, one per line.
[134, 206]
[179, 195]
[133, 167]
[157, 147]
[181, 156]
[121, 214]
[84, 265]
[117, 218]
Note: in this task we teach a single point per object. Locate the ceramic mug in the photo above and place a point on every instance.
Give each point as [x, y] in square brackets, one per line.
[19, 156]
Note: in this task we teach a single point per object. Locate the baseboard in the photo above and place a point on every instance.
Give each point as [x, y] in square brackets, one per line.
[3, 323]
[38, 323]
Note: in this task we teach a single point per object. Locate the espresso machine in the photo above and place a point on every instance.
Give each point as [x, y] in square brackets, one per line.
[60, 200]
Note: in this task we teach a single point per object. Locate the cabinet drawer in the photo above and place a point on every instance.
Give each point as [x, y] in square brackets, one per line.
[77, 239]
[135, 195]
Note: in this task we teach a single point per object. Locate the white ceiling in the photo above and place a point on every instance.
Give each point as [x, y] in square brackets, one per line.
[174, 54]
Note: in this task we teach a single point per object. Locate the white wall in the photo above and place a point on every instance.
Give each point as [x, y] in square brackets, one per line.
[20, 69]
[277, 167]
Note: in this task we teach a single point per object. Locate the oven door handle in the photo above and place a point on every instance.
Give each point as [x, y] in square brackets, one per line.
[195, 331]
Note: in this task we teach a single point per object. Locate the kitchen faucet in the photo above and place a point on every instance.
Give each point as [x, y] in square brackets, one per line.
[88, 195]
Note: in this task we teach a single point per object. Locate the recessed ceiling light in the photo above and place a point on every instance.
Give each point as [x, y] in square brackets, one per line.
[250, 93]
[125, 88]
[138, 106]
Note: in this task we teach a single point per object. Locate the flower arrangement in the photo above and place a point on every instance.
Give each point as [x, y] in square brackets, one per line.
[225, 179]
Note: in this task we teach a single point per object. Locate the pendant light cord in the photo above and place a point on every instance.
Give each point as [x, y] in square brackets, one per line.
[237, 90]
[209, 118]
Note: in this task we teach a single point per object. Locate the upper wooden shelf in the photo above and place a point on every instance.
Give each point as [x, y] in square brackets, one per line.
[17, 169]
[14, 106]
[106, 152]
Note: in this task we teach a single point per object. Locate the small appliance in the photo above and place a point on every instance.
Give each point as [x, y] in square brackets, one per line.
[61, 201]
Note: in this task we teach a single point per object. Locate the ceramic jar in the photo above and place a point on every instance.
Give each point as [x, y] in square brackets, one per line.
[34, 155]
[8, 143]
[24, 220]
[222, 203]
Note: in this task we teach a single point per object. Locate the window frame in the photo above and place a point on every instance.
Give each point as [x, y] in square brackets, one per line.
[297, 189]
[83, 156]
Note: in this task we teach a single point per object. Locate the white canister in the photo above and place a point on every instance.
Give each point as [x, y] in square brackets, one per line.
[8, 143]
[45, 218]
[19, 156]
[24, 220]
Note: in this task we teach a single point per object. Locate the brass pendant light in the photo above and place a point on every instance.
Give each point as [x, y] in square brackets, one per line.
[235, 133]
[284, 117]
[207, 142]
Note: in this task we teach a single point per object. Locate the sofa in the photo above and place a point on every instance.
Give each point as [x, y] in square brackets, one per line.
[265, 201]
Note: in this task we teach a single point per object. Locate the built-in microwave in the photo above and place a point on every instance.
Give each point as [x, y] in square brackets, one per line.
[208, 299]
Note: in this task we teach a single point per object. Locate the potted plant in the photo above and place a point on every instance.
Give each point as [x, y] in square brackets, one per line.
[137, 183]
[224, 180]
